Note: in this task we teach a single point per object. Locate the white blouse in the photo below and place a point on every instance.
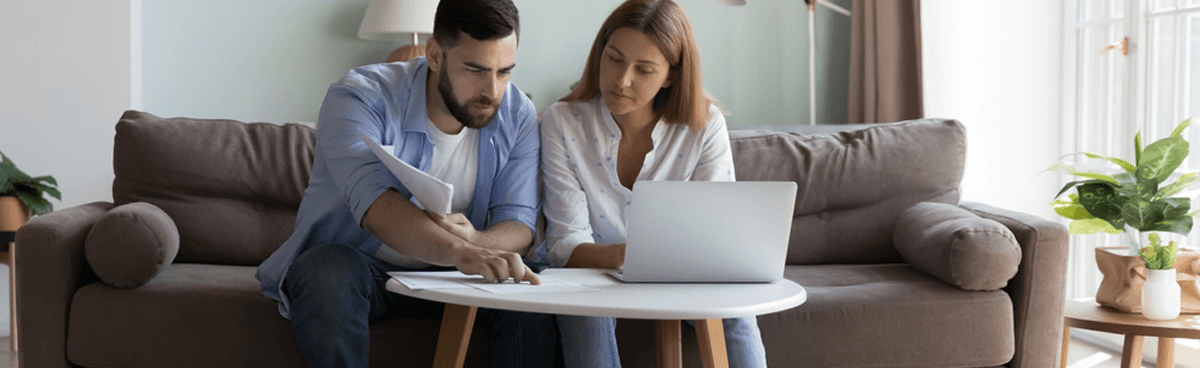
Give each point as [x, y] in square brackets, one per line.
[584, 201]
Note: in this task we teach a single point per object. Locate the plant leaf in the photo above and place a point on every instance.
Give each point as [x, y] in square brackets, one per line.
[1092, 226]
[1073, 171]
[1184, 181]
[53, 193]
[1070, 185]
[1179, 128]
[1071, 208]
[1130, 168]
[1144, 187]
[1176, 207]
[46, 179]
[1102, 201]
[1137, 149]
[38, 205]
[1175, 216]
[1180, 226]
[1140, 214]
[1161, 158]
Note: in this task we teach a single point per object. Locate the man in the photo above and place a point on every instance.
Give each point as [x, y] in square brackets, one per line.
[455, 116]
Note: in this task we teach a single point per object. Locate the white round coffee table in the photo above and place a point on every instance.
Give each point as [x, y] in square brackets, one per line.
[669, 303]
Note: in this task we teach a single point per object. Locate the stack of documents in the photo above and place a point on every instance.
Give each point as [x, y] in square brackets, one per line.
[420, 280]
[429, 193]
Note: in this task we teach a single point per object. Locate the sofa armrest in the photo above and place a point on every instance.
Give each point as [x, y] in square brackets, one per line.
[1038, 291]
[51, 268]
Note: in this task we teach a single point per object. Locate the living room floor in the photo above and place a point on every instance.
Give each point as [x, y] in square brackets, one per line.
[1081, 355]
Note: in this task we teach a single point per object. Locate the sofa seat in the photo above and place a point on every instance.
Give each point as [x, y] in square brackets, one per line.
[888, 315]
[206, 315]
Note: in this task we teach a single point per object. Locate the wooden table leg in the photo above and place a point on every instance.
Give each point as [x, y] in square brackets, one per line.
[711, 335]
[1166, 352]
[1131, 357]
[457, 322]
[1066, 345]
[670, 350]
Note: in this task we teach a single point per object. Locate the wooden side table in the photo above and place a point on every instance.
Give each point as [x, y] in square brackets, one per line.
[1088, 314]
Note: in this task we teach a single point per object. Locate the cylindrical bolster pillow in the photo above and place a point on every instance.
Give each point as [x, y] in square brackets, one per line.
[131, 244]
[956, 246]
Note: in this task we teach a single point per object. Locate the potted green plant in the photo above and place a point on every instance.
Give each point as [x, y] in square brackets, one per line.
[1139, 200]
[21, 194]
[1161, 293]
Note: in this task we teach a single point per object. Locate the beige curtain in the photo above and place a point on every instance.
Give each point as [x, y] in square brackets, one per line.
[885, 61]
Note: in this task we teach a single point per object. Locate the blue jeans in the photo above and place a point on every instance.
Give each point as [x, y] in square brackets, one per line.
[336, 290]
[591, 342]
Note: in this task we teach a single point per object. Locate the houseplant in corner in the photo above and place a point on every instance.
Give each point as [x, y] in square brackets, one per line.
[1138, 202]
[1134, 202]
[21, 195]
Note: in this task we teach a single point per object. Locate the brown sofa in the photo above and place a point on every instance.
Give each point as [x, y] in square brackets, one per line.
[232, 190]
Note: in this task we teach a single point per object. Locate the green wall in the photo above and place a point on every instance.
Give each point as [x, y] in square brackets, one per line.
[272, 60]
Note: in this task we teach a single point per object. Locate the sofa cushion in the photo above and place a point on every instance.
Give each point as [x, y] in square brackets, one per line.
[957, 246]
[853, 185]
[198, 315]
[901, 316]
[131, 244]
[233, 188]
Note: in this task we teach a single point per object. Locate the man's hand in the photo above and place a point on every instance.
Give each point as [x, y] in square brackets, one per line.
[494, 265]
[457, 224]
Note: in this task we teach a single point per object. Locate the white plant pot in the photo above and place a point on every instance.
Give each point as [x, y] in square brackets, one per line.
[1160, 295]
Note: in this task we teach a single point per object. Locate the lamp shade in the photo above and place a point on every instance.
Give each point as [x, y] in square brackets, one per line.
[387, 20]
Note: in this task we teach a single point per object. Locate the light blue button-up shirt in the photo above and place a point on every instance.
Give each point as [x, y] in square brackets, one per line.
[387, 103]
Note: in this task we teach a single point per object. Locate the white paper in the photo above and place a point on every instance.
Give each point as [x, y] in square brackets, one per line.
[549, 285]
[432, 194]
[417, 280]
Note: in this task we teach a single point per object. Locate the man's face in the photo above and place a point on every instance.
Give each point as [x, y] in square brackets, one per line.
[473, 77]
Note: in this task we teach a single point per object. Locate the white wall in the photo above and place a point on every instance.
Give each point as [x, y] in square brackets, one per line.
[995, 65]
[66, 72]
[272, 60]
[66, 75]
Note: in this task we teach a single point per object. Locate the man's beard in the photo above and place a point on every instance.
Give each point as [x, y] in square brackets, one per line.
[460, 111]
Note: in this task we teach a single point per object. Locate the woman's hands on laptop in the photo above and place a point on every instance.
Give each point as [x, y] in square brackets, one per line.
[590, 255]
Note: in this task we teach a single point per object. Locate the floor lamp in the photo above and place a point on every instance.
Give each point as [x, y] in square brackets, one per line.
[812, 49]
[392, 20]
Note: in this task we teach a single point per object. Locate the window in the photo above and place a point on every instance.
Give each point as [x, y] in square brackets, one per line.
[1131, 65]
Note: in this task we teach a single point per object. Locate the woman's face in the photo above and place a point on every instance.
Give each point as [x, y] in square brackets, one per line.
[632, 71]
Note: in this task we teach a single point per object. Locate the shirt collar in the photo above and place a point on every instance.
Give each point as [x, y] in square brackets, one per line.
[660, 127]
[415, 116]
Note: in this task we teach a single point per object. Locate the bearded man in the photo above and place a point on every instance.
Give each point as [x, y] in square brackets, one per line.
[455, 115]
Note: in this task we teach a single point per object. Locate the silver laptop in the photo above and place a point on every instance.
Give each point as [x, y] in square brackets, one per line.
[686, 231]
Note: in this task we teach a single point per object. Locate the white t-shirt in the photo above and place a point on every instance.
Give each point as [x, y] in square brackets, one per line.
[584, 201]
[455, 161]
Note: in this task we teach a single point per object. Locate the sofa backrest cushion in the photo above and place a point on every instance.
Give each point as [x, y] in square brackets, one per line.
[232, 188]
[853, 185]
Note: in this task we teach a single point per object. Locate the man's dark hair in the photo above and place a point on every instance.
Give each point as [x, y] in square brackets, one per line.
[481, 19]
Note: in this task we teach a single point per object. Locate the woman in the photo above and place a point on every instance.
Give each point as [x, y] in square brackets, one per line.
[638, 113]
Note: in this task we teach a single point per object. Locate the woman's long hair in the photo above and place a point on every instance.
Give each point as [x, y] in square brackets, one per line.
[685, 101]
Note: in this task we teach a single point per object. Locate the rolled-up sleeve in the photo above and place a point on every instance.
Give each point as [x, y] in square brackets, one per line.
[359, 176]
[565, 205]
[515, 191]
